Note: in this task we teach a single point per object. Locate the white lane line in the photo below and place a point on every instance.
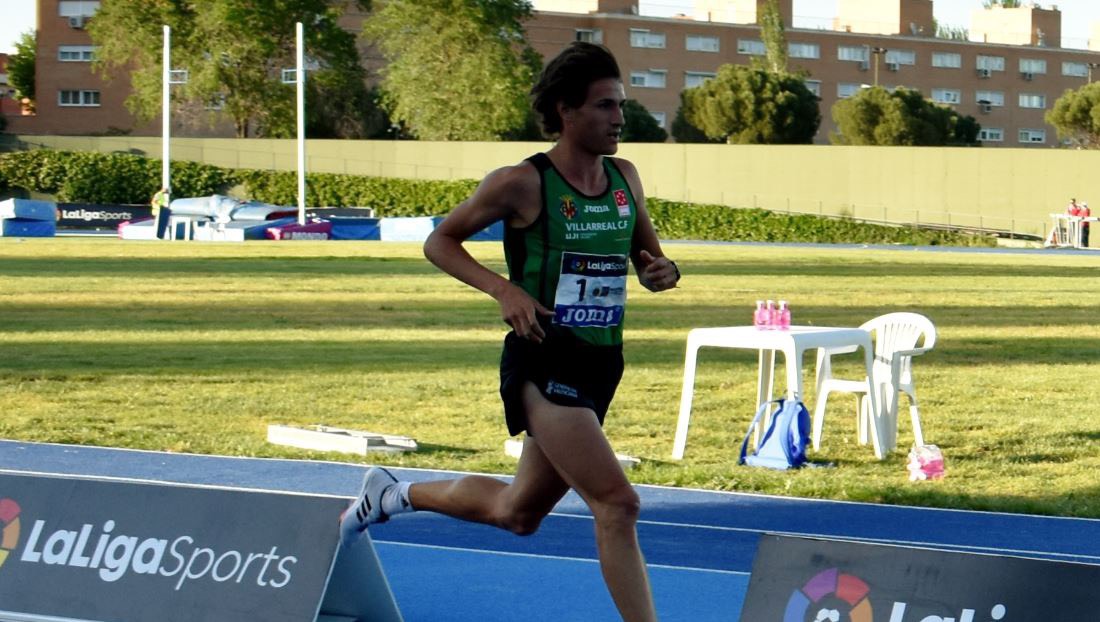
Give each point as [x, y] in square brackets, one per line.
[540, 556]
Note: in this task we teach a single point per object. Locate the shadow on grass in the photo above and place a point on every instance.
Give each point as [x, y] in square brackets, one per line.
[645, 313]
[358, 356]
[305, 267]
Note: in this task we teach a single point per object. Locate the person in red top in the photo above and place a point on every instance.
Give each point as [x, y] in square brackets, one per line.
[1084, 212]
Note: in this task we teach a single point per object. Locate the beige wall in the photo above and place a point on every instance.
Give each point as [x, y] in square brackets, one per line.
[1017, 26]
[1007, 189]
[740, 11]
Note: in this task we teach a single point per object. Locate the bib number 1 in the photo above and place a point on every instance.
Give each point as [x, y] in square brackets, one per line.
[591, 290]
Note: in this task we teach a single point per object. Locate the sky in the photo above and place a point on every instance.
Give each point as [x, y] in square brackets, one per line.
[18, 16]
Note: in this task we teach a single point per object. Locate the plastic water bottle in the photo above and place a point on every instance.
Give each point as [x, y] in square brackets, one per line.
[784, 313]
[771, 319]
[758, 318]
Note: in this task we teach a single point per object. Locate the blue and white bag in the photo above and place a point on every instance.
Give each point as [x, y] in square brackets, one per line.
[784, 443]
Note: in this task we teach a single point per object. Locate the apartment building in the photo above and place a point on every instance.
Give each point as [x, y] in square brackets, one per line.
[1007, 81]
[9, 106]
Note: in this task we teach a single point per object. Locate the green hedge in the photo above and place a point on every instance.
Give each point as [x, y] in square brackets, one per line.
[89, 177]
[84, 177]
[685, 221]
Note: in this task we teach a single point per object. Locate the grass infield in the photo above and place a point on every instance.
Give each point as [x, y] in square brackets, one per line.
[194, 347]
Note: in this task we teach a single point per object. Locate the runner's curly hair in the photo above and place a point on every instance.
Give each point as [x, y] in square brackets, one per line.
[566, 78]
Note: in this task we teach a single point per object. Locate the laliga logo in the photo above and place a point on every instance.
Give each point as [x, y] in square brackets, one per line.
[829, 593]
[832, 596]
[9, 524]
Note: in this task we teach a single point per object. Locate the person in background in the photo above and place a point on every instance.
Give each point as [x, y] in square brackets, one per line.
[160, 211]
[1084, 212]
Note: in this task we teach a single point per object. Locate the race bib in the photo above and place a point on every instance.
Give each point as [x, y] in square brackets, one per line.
[591, 290]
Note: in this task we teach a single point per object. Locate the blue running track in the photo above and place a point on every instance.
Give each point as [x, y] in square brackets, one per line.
[699, 544]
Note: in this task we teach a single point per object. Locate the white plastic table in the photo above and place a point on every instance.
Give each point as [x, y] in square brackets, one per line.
[793, 342]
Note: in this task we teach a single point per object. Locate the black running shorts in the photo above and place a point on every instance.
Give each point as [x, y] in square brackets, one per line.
[567, 371]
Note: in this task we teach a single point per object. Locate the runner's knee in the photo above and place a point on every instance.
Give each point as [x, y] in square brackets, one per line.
[521, 522]
[618, 508]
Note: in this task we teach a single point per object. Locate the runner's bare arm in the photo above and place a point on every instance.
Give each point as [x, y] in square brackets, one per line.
[655, 271]
[510, 194]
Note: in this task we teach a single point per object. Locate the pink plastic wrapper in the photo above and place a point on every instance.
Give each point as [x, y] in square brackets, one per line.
[925, 462]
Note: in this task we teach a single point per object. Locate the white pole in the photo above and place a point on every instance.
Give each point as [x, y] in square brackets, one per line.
[165, 132]
[300, 78]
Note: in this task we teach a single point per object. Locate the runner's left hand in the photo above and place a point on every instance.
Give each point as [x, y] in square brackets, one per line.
[658, 273]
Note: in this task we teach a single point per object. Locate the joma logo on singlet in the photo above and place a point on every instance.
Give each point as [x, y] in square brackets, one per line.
[596, 209]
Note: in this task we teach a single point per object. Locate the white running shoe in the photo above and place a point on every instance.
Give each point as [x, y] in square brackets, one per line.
[367, 508]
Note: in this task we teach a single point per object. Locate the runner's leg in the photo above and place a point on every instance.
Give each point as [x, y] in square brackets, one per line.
[518, 506]
[572, 440]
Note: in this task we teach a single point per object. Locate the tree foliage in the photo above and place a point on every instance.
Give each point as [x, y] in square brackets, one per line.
[456, 69]
[21, 66]
[877, 116]
[639, 126]
[1076, 116]
[235, 51]
[747, 105]
[775, 38]
[683, 131]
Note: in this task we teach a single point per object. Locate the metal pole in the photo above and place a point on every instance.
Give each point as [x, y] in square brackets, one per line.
[165, 131]
[300, 76]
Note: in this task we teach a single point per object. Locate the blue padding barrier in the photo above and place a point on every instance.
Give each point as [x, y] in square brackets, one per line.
[492, 233]
[356, 229]
[28, 209]
[27, 228]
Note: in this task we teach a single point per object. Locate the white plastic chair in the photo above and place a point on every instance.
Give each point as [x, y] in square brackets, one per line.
[898, 337]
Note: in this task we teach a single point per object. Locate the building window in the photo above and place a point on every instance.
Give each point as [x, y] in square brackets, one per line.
[991, 63]
[1033, 65]
[78, 98]
[693, 79]
[1033, 100]
[901, 57]
[645, 39]
[991, 134]
[753, 47]
[1033, 136]
[814, 86]
[946, 96]
[589, 35]
[804, 50]
[701, 43]
[659, 117]
[76, 53]
[844, 90]
[77, 8]
[990, 98]
[853, 52]
[1080, 70]
[950, 60]
[652, 79]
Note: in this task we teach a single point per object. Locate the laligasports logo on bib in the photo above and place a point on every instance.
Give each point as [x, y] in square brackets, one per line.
[830, 596]
[9, 528]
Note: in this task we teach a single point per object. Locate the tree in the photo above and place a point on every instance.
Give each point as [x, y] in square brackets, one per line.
[639, 126]
[21, 67]
[952, 33]
[775, 39]
[685, 132]
[234, 51]
[876, 116]
[1007, 4]
[456, 69]
[745, 105]
[1076, 116]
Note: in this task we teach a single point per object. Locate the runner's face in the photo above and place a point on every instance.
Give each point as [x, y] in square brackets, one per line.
[598, 123]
